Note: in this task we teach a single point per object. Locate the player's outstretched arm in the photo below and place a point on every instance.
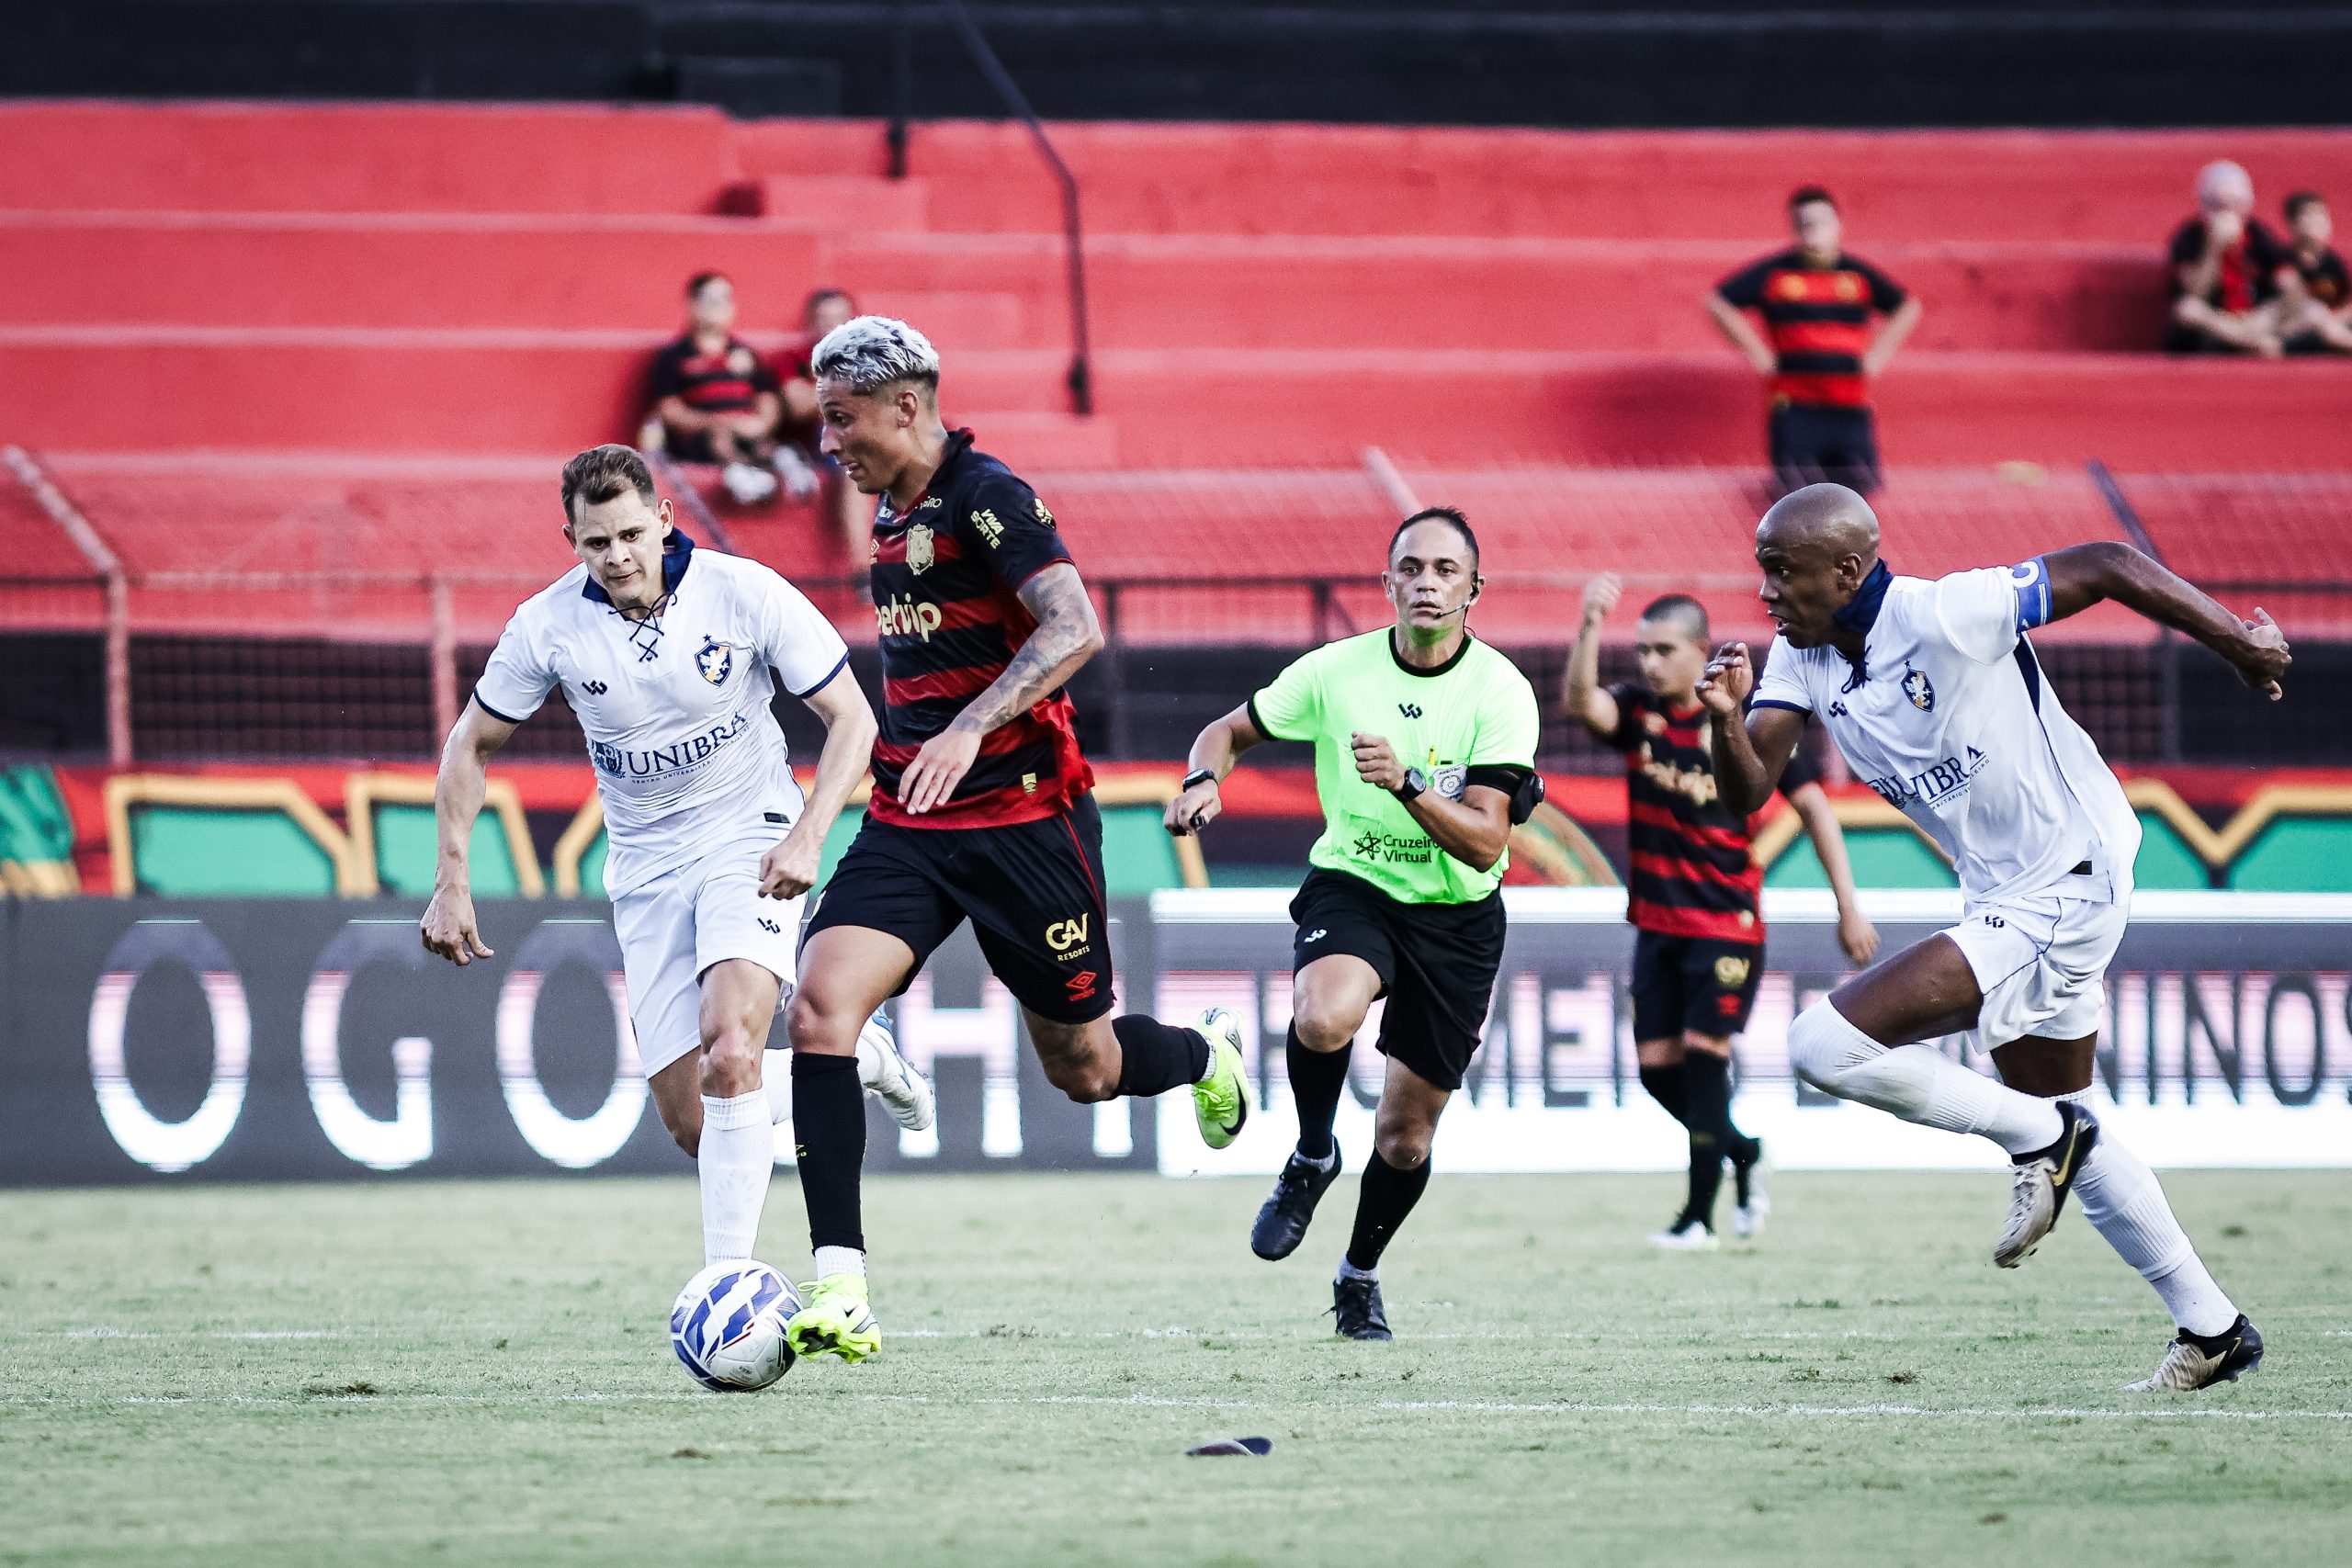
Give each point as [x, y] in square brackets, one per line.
[1214, 751]
[1068, 635]
[447, 926]
[2082, 575]
[1475, 829]
[1582, 696]
[1749, 756]
[790, 868]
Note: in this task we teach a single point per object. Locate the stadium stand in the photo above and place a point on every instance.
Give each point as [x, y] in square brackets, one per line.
[326, 393]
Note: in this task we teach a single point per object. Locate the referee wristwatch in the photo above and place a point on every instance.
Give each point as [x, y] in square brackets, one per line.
[1197, 776]
[1415, 783]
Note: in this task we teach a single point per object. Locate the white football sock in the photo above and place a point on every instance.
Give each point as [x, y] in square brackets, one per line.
[737, 1156]
[1917, 1083]
[2125, 1204]
[840, 1260]
[775, 1082]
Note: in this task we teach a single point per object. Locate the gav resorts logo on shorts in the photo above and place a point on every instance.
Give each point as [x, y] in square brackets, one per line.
[716, 659]
[1730, 971]
[1069, 937]
[1919, 688]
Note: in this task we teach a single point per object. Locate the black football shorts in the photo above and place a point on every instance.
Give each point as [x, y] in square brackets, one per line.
[1437, 965]
[1031, 890]
[1693, 984]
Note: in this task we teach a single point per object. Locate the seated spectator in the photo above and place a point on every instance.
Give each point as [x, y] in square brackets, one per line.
[850, 513]
[2314, 289]
[1818, 303]
[716, 401]
[2225, 295]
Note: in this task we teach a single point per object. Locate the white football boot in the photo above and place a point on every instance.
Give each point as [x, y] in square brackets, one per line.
[891, 1078]
[1684, 1235]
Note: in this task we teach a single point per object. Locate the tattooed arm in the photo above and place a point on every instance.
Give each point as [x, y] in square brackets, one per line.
[1068, 635]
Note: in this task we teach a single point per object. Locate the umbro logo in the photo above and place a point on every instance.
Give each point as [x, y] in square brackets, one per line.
[1411, 710]
[594, 688]
[1838, 710]
[770, 927]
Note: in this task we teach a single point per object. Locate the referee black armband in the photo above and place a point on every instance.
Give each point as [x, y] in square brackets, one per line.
[1524, 785]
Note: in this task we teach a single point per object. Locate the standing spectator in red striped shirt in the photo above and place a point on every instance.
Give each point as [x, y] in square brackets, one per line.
[1694, 893]
[1818, 303]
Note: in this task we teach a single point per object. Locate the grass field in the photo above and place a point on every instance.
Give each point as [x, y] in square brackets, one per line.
[479, 1373]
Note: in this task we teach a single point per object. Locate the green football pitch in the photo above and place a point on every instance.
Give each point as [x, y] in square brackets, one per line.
[475, 1372]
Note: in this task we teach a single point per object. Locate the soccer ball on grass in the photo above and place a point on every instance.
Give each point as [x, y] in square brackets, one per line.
[728, 1328]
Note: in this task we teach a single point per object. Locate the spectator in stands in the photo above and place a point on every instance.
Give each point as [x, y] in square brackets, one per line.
[2314, 289]
[851, 514]
[2225, 296]
[716, 401]
[1817, 303]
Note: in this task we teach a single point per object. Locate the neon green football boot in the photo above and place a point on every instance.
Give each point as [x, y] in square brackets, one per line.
[1221, 1100]
[836, 1320]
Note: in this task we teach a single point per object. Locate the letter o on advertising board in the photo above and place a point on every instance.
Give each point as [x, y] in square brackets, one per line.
[379, 1145]
[145, 1137]
[573, 1143]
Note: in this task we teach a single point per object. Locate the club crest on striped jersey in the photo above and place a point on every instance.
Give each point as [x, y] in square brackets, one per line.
[920, 551]
[716, 660]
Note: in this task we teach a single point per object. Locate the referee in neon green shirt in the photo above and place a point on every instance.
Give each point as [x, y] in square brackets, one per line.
[1424, 754]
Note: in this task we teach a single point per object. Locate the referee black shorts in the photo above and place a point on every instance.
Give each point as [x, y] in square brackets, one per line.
[1031, 890]
[1437, 965]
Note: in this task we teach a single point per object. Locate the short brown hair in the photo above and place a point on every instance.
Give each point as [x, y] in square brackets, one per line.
[602, 473]
[1805, 195]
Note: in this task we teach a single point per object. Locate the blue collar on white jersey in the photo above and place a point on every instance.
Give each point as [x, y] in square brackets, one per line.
[677, 554]
[1859, 614]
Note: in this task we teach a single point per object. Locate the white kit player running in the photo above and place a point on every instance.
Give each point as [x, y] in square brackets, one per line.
[1935, 697]
[671, 658]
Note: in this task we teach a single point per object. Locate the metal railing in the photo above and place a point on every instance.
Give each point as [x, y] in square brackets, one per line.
[1080, 380]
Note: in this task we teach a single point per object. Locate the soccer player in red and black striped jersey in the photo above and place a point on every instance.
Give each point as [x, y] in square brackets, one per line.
[1818, 303]
[982, 807]
[1693, 893]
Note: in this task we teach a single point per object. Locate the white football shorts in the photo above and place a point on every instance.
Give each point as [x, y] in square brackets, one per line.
[2041, 963]
[682, 922]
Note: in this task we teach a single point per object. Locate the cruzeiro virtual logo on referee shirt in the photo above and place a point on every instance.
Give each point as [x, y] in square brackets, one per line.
[664, 761]
[1391, 849]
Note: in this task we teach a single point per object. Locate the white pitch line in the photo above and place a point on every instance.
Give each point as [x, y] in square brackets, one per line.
[1961, 1412]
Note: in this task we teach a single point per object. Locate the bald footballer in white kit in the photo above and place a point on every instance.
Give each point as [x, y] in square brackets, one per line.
[671, 657]
[1934, 694]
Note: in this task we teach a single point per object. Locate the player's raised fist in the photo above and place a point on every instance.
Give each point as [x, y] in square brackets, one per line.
[1728, 677]
[447, 928]
[1601, 596]
[2264, 661]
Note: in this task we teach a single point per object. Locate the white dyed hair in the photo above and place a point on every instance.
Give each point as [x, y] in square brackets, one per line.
[2224, 183]
[872, 352]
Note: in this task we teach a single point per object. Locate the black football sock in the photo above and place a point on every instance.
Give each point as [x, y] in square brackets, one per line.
[829, 1130]
[1155, 1057]
[1665, 1084]
[1317, 1080]
[1387, 1196]
[1706, 1084]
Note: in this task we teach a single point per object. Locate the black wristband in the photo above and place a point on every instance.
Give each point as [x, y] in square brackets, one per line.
[1197, 776]
[1409, 788]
